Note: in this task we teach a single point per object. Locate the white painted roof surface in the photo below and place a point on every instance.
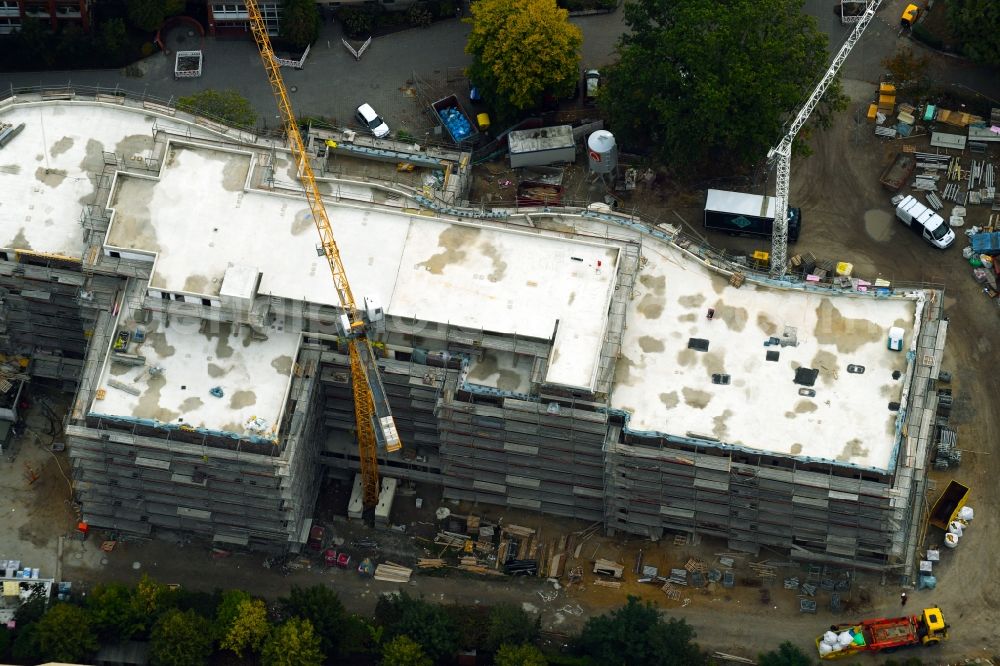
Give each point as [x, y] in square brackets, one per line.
[739, 203]
[239, 281]
[47, 172]
[254, 376]
[541, 138]
[668, 388]
[198, 219]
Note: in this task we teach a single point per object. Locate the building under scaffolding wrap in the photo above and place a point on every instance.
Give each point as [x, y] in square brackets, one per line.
[574, 362]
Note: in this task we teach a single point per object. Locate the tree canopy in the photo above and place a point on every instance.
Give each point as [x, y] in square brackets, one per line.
[786, 655]
[242, 623]
[701, 82]
[521, 50]
[519, 655]
[510, 624]
[300, 23]
[180, 638]
[424, 622]
[226, 105]
[294, 643]
[114, 614]
[149, 15]
[64, 634]
[404, 651]
[636, 635]
[977, 24]
[322, 607]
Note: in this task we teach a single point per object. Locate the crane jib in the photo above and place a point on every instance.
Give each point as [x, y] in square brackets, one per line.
[376, 428]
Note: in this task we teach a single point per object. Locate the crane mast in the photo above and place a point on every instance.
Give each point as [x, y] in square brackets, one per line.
[375, 424]
[781, 155]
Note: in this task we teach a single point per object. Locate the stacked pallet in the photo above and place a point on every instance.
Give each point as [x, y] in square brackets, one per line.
[392, 573]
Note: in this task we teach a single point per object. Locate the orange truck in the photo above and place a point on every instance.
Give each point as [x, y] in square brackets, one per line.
[927, 629]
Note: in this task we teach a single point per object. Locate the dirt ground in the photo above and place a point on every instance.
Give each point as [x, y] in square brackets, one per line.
[847, 217]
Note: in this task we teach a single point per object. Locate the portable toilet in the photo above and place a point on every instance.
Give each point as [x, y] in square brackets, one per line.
[895, 338]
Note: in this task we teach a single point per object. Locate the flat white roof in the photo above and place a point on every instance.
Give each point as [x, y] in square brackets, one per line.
[668, 387]
[190, 359]
[197, 219]
[47, 173]
[541, 138]
[740, 203]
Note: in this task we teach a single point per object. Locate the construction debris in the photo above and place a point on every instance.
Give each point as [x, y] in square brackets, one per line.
[392, 573]
[430, 563]
[608, 568]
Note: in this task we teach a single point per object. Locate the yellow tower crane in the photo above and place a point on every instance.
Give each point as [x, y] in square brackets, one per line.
[375, 425]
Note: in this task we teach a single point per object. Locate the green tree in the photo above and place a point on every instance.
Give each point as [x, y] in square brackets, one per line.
[32, 45]
[151, 598]
[149, 15]
[519, 655]
[905, 67]
[247, 629]
[25, 648]
[226, 105]
[300, 23]
[294, 643]
[114, 615]
[6, 638]
[636, 635]
[322, 607]
[113, 38]
[977, 24]
[180, 638]
[32, 609]
[521, 50]
[510, 624]
[64, 634]
[404, 651]
[786, 655]
[424, 622]
[705, 83]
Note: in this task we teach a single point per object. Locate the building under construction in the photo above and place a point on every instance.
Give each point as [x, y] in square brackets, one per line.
[574, 362]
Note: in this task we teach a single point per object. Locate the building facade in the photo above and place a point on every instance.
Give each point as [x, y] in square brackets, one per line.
[559, 361]
[55, 13]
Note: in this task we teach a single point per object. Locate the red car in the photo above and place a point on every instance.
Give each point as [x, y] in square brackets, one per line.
[316, 538]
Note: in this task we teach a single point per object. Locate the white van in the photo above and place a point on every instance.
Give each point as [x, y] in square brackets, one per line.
[925, 222]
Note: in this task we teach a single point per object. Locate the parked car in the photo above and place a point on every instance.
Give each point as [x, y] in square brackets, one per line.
[316, 534]
[591, 83]
[372, 121]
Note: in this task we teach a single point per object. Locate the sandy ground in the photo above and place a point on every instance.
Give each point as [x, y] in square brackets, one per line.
[848, 218]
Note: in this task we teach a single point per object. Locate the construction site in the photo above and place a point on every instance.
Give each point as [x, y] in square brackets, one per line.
[164, 271]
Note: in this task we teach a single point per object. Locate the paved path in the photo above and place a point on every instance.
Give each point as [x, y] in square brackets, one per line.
[400, 71]
[332, 83]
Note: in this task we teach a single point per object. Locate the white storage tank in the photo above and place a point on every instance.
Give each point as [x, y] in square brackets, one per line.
[602, 152]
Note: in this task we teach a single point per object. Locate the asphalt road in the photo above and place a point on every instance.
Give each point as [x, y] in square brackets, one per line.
[399, 72]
